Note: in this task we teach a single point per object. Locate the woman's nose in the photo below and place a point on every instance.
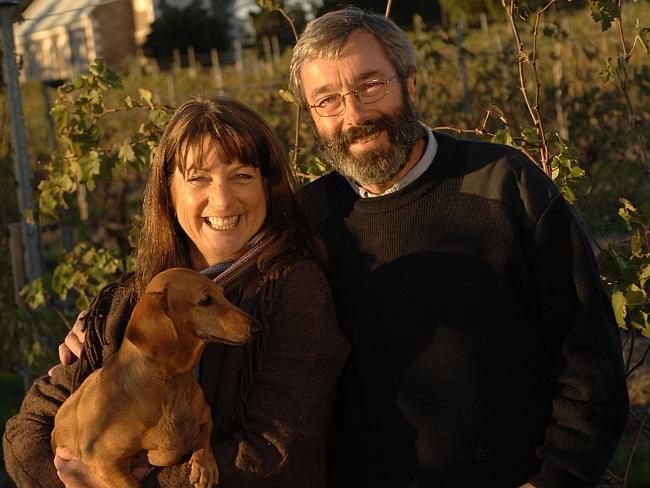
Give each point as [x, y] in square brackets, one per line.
[220, 195]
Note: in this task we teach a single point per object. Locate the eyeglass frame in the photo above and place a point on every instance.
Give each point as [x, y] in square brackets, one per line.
[355, 92]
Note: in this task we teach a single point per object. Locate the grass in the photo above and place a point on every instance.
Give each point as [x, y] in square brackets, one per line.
[12, 389]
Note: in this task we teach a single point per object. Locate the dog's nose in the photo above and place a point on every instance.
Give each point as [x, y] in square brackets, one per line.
[255, 327]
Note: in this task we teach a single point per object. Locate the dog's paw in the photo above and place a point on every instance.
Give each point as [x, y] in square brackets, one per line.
[204, 472]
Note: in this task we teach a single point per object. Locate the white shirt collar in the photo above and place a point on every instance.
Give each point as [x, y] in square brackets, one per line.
[418, 170]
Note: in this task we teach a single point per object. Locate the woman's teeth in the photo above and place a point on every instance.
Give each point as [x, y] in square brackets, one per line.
[222, 223]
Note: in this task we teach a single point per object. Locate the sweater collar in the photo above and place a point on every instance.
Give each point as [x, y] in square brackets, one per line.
[418, 170]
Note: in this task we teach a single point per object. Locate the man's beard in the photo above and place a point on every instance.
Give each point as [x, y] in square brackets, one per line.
[377, 166]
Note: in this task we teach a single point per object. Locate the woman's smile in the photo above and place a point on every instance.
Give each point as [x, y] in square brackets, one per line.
[222, 223]
[220, 204]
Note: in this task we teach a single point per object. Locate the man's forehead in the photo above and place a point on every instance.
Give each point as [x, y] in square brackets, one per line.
[324, 75]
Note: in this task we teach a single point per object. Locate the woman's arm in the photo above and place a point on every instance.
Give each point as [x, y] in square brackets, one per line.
[27, 439]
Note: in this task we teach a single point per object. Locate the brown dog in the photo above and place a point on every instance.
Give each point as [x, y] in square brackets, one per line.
[145, 397]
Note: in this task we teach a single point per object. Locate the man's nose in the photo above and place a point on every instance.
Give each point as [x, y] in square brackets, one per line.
[355, 111]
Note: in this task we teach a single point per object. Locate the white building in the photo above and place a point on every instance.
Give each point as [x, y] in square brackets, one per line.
[59, 38]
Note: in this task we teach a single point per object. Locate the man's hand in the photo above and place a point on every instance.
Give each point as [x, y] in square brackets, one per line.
[527, 485]
[73, 344]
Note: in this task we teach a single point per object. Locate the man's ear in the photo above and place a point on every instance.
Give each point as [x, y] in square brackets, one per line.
[150, 329]
[410, 88]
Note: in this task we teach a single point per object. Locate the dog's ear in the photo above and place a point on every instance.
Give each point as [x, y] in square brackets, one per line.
[150, 328]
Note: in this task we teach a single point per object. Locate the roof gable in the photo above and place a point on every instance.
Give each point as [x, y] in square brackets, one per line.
[48, 14]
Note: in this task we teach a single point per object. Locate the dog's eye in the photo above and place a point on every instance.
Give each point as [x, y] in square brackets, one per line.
[206, 300]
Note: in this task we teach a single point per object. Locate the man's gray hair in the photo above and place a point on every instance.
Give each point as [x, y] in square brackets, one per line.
[324, 37]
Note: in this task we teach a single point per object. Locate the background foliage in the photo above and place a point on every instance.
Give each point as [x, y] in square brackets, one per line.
[565, 82]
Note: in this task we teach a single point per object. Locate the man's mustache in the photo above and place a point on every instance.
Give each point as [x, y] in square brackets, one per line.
[363, 131]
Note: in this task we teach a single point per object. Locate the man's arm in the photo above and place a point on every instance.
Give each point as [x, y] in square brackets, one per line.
[73, 344]
[588, 401]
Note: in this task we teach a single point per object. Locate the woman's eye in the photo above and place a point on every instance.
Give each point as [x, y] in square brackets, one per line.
[197, 179]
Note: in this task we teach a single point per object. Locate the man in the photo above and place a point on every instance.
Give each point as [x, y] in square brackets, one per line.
[484, 351]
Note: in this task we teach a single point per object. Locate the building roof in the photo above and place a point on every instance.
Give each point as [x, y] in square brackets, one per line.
[48, 14]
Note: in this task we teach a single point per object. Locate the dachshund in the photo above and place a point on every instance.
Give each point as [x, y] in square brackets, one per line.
[145, 398]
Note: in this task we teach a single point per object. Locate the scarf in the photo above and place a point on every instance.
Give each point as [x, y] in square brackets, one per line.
[239, 263]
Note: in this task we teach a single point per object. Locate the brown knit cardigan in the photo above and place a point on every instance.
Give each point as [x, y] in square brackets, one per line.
[270, 399]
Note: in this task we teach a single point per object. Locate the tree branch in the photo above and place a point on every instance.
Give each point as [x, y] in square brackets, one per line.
[389, 4]
[296, 136]
[533, 107]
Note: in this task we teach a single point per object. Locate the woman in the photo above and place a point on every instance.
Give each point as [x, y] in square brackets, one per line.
[220, 199]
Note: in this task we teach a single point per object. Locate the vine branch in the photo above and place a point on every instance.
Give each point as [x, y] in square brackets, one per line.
[635, 120]
[533, 107]
[296, 136]
[389, 4]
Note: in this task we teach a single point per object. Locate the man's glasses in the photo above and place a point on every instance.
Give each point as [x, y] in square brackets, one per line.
[368, 92]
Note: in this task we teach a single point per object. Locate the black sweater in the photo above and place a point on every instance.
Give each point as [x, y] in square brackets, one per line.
[484, 351]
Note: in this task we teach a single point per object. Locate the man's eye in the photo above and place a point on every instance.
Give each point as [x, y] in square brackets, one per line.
[244, 176]
[371, 87]
[325, 101]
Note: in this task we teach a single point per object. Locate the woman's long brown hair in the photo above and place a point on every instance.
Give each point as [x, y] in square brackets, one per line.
[238, 134]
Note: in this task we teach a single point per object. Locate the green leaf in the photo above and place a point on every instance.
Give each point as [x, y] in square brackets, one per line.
[626, 211]
[635, 296]
[644, 274]
[126, 153]
[619, 304]
[268, 4]
[34, 293]
[605, 12]
[503, 136]
[642, 36]
[287, 96]
[530, 135]
[146, 97]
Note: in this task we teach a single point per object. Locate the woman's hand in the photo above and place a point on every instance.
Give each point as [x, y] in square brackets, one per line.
[73, 344]
[75, 474]
[72, 472]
